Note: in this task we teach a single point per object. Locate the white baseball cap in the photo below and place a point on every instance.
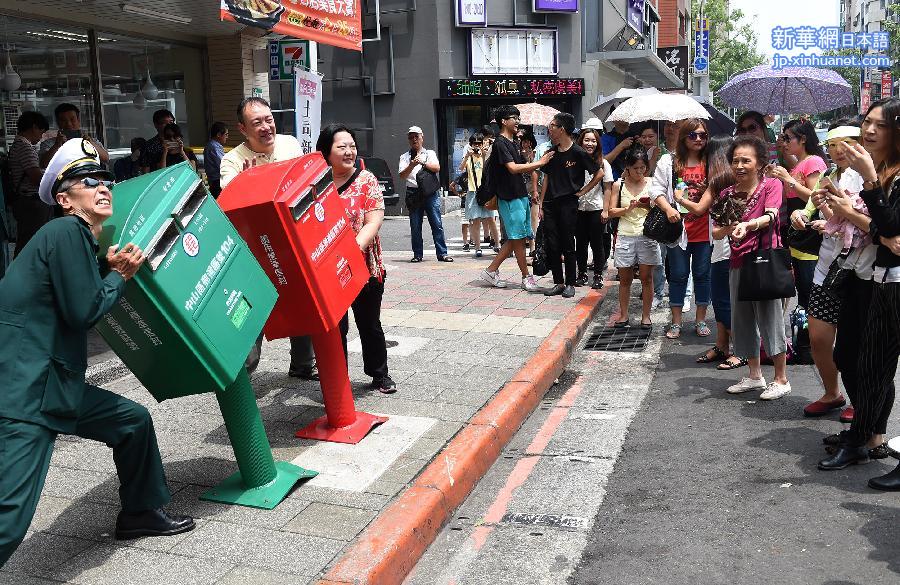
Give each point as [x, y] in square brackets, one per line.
[414, 130]
[593, 124]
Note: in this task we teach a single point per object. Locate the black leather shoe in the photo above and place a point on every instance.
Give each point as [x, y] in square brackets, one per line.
[311, 374]
[445, 259]
[556, 290]
[151, 523]
[889, 482]
[568, 292]
[384, 385]
[845, 456]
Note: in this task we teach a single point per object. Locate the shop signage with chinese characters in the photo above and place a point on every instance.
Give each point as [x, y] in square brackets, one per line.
[514, 87]
[636, 16]
[865, 98]
[283, 55]
[308, 108]
[887, 84]
[471, 12]
[676, 59]
[333, 22]
[555, 5]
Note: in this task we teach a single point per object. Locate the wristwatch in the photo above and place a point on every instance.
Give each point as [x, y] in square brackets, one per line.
[868, 185]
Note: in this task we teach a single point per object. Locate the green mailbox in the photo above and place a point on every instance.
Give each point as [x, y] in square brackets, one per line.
[190, 315]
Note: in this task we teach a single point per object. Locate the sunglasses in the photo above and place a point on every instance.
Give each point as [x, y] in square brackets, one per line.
[698, 135]
[751, 128]
[92, 183]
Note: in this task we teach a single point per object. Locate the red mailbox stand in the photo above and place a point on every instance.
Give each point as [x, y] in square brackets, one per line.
[295, 224]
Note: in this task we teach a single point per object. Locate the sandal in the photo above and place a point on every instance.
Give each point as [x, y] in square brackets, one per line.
[727, 365]
[621, 324]
[674, 331]
[717, 356]
[647, 326]
[702, 329]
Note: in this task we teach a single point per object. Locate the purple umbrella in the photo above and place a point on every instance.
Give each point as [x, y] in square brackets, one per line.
[792, 90]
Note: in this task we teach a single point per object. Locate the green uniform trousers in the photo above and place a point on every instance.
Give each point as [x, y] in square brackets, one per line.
[25, 450]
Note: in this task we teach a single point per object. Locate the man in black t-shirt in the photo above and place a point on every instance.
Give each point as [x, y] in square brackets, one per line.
[506, 167]
[563, 185]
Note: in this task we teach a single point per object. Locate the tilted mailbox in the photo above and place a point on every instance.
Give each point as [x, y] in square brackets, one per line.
[190, 315]
[296, 225]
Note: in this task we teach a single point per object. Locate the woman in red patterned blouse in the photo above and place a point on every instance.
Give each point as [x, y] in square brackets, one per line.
[364, 202]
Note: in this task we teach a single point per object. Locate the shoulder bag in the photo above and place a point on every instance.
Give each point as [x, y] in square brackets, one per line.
[766, 274]
[427, 181]
[658, 227]
[486, 190]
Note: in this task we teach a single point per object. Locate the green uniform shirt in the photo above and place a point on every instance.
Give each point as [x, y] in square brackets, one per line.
[51, 295]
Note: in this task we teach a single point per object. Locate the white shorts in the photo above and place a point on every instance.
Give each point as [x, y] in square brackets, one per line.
[631, 250]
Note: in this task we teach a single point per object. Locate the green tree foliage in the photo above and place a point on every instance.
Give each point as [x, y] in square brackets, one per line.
[851, 74]
[732, 43]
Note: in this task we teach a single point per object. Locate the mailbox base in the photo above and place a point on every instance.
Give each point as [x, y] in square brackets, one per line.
[233, 491]
[320, 430]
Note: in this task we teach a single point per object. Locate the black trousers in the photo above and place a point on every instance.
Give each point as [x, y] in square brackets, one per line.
[879, 349]
[560, 217]
[590, 231]
[31, 214]
[367, 314]
[303, 358]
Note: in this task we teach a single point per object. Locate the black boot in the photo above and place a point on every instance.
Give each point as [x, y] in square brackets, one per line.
[889, 482]
[151, 523]
[844, 456]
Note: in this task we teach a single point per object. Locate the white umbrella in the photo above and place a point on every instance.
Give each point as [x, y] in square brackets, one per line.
[660, 106]
[606, 102]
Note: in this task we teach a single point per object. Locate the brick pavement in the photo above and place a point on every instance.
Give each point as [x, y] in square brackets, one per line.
[458, 343]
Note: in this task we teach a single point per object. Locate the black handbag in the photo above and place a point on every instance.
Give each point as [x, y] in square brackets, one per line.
[427, 181]
[539, 265]
[658, 227]
[807, 241]
[835, 283]
[414, 198]
[766, 274]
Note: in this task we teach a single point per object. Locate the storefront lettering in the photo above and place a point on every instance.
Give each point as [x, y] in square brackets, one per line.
[515, 87]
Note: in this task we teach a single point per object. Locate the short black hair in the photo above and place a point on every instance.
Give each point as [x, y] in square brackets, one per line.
[159, 115]
[635, 155]
[66, 107]
[529, 137]
[217, 128]
[844, 122]
[504, 112]
[175, 129]
[488, 131]
[566, 121]
[29, 120]
[246, 102]
[138, 143]
[326, 137]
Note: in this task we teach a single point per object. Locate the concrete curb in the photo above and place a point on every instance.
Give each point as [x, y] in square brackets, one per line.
[394, 542]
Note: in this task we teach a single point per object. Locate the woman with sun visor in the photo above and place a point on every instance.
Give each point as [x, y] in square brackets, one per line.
[53, 292]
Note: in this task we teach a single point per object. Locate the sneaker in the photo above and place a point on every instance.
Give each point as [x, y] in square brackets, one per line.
[598, 281]
[687, 305]
[384, 385]
[492, 278]
[479, 253]
[746, 385]
[471, 243]
[774, 391]
[568, 292]
[496, 249]
[466, 247]
[529, 284]
[582, 279]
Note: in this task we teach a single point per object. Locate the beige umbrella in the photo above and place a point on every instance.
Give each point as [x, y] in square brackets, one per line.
[536, 114]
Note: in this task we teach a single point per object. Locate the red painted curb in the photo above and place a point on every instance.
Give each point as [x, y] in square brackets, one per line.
[393, 543]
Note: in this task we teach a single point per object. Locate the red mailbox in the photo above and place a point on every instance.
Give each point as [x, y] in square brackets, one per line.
[296, 225]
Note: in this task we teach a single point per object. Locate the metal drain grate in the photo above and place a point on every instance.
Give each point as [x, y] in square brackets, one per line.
[627, 339]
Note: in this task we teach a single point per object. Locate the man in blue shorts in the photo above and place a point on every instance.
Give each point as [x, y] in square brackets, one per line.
[507, 166]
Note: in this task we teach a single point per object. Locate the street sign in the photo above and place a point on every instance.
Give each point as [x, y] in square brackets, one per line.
[701, 48]
[676, 59]
[283, 55]
[635, 18]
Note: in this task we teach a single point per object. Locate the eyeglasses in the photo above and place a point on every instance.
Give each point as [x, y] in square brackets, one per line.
[92, 183]
[516, 118]
[750, 128]
[698, 135]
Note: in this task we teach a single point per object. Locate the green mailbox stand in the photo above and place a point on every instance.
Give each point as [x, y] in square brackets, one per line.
[190, 315]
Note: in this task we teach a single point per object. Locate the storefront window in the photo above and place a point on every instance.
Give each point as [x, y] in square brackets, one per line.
[176, 84]
[52, 61]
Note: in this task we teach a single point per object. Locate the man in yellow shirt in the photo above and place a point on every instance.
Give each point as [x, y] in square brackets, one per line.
[262, 145]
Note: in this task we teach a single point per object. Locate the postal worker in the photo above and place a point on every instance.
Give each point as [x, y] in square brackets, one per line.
[52, 293]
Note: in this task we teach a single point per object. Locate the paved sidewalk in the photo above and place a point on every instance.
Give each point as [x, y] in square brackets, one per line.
[457, 341]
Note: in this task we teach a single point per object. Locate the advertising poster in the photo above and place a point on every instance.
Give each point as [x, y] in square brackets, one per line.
[332, 22]
[308, 108]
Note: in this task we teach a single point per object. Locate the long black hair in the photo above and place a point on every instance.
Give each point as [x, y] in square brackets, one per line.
[890, 112]
[804, 129]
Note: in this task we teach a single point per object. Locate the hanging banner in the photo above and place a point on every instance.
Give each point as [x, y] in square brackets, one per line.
[887, 84]
[331, 22]
[307, 108]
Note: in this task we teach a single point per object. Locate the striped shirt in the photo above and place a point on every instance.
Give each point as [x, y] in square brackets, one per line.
[23, 155]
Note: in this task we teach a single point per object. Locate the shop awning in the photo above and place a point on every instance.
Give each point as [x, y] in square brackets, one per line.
[642, 64]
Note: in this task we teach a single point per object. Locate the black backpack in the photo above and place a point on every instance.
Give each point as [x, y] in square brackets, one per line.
[486, 190]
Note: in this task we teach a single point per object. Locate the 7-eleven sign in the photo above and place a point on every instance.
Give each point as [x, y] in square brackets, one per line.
[283, 55]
